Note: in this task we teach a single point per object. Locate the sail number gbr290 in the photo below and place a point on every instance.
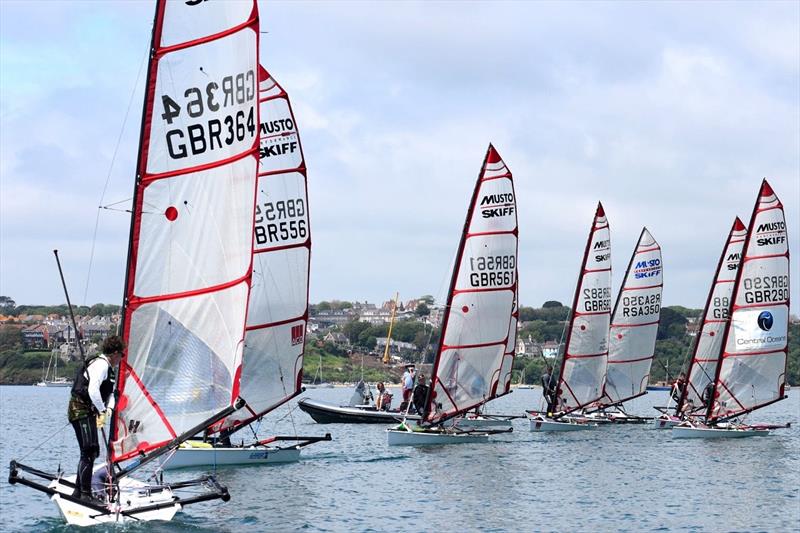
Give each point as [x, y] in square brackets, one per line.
[213, 133]
[492, 271]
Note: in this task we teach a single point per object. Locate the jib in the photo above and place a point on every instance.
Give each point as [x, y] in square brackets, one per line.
[497, 212]
[502, 198]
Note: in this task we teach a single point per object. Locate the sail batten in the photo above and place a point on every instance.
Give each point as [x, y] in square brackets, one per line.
[189, 269]
[477, 343]
[583, 364]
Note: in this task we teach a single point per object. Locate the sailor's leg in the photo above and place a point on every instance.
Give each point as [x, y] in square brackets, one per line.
[86, 433]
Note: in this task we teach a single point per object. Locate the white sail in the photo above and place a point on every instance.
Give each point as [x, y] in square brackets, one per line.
[583, 366]
[752, 370]
[191, 238]
[471, 364]
[278, 310]
[708, 344]
[634, 323]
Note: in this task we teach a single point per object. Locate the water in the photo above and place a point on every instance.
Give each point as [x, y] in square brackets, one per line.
[616, 478]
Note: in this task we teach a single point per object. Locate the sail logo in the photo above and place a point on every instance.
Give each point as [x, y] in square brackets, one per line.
[497, 205]
[297, 335]
[778, 230]
[733, 261]
[765, 321]
[647, 269]
[192, 3]
[602, 245]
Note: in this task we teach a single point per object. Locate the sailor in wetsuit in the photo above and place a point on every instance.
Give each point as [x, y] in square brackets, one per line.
[90, 404]
[549, 385]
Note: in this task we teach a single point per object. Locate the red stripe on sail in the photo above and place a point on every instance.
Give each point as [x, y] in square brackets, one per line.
[631, 360]
[161, 51]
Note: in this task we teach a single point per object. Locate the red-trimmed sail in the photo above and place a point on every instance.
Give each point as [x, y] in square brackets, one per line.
[583, 367]
[752, 369]
[278, 311]
[190, 260]
[472, 364]
[634, 323]
[708, 344]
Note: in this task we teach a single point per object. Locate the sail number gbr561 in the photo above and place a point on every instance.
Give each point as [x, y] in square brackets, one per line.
[224, 129]
[492, 271]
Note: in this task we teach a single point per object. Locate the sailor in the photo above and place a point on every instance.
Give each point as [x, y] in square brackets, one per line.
[708, 394]
[90, 405]
[549, 388]
[677, 388]
[420, 393]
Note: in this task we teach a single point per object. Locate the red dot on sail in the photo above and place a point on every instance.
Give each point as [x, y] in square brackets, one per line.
[583, 327]
[171, 213]
[465, 309]
[619, 335]
[711, 333]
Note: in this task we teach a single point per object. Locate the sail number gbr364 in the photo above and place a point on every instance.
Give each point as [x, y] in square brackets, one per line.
[227, 95]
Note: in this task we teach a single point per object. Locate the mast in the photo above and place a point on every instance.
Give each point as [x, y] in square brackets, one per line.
[634, 324]
[752, 369]
[475, 336]
[583, 364]
[189, 264]
[389, 334]
[707, 347]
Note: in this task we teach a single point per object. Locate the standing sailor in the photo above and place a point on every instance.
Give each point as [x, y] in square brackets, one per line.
[90, 404]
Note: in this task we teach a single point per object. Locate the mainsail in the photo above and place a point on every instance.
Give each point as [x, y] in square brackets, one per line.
[472, 364]
[708, 343]
[752, 369]
[190, 260]
[634, 324]
[583, 367]
[276, 319]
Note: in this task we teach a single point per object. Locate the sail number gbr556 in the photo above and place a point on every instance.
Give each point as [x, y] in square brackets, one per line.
[231, 93]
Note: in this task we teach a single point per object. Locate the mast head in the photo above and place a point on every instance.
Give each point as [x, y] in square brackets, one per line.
[766, 189]
[600, 211]
[738, 225]
[492, 156]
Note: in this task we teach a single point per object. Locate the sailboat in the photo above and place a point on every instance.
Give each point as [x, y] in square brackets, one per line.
[751, 371]
[272, 368]
[57, 381]
[583, 365]
[632, 335]
[708, 343]
[189, 262]
[477, 344]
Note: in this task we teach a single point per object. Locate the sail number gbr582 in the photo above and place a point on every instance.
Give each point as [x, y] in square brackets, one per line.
[492, 271]
[210, 134]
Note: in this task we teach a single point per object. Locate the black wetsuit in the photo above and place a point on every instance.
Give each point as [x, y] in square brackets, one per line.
[419, 396]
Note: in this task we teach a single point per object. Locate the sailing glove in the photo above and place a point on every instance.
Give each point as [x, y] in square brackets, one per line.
[101, 419]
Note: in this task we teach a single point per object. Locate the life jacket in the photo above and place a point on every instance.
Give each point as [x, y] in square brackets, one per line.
[80, 386]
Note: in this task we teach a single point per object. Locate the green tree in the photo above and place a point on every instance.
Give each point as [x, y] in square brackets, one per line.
[422, 310]
[551, 303]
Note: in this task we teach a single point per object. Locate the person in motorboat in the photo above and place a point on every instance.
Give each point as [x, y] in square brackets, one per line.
[90, 404]
[407, 383]
[420, 393]
[383, 402]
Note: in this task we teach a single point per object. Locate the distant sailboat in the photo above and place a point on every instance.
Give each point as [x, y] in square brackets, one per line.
[477, 344]
[708, 343]
[189, 261]
[583, 365]
[751, 372]
[632, 338]
[56, 381]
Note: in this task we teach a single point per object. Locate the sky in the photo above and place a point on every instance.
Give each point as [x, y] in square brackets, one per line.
[670, 113]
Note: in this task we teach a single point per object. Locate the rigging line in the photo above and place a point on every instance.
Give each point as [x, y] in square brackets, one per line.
[110, 170]
[51, 437]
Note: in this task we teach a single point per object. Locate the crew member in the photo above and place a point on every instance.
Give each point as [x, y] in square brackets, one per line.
[90, 404]
[384, 399]
[549, 388]
[420, 393]
[677, 388]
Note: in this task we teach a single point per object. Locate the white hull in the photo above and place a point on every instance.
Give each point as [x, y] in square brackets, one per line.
[398, 437]
[690, 432]
[540, 423]
[54, 384]
[248, 455]
[665, 422]
[134, 495]
[482, 422]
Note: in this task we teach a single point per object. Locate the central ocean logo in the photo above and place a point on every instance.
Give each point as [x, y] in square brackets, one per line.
[765, 321]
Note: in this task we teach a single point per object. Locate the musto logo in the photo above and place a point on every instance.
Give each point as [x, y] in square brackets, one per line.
[765, 320]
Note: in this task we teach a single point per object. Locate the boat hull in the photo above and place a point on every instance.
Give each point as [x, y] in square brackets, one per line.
[220, 456]
[398, 437]
[689, 432]
[135, 494]
[325, 413]
[482, 422]
[665, 422]
[541, 423]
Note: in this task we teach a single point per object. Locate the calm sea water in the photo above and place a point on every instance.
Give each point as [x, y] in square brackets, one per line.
[618, 478]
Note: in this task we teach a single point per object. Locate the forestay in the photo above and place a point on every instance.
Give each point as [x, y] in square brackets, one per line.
[634, 323]
[278, 311]
[189, 262]
[477, 343]
[752, 370]
[708, 344]
[583, 367]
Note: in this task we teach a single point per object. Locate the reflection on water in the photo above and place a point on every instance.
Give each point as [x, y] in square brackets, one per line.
[613, 478]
